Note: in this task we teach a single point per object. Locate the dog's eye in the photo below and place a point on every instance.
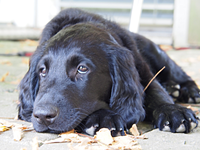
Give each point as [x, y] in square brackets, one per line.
[43, 72]
[82, 69]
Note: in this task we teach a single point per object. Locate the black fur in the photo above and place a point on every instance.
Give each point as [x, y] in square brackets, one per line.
[88, 71]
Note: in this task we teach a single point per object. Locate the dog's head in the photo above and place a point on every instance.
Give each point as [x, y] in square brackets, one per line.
[79, 70]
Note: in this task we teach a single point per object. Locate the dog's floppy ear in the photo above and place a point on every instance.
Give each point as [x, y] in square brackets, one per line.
[29, 87]
[127, 91]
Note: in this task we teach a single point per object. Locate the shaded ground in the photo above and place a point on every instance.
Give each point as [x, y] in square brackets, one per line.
[16, 67]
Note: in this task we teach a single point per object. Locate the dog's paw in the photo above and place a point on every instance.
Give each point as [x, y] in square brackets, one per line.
[189, 91]
[104, 118]
[174, 118]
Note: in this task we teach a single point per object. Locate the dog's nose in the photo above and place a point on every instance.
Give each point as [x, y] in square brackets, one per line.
[45, 114]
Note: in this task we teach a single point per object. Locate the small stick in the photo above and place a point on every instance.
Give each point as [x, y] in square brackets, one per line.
[6, 118]
[153, 78]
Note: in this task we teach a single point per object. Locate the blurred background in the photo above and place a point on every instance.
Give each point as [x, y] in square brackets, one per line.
[172, 24]
[166, 22]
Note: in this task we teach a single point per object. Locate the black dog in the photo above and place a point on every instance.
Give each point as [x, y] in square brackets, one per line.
[88, 73]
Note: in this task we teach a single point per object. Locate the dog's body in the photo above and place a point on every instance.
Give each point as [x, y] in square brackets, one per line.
[89, 72]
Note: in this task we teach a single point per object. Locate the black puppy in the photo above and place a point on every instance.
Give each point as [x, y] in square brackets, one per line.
[88, 73]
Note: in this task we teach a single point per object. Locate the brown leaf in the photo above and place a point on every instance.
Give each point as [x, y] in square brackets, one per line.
[190, 73]
[17, 129]
[166, 47]
[104, 136]
[193, 109]
[141, 137]
[6, 63]
[15, 82]
[68, 132]
[85, 143]
[30, 42]
[35, 145]
[3, 128]
[6, 123]
[125, 142]
[134, 130]
[2, 79]
[17, 133]
[70, 137]
[57, 140]
[25, 61]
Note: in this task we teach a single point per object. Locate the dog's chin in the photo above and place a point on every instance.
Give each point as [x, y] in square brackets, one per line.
[53, 128]
[51, 131]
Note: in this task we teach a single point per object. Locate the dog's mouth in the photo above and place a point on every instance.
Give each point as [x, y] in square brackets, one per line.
[54, 131]
[51, 131]
[60, 123]
[80, 127]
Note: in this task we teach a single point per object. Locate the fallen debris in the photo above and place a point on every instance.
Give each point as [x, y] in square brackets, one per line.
[3, 128]
[34, 143]
[104, 136]
[134, 130]
[193, 109]
[101, 141]
[17, 133]
[2, 79]
[17, 129]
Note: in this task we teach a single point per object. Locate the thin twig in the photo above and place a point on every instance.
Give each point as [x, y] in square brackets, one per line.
[153, 78]
[6, 118]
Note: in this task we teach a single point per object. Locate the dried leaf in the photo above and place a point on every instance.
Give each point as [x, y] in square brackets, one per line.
[3, 128]
[58, 140]
[70, 137]
[17, 133]
[193, 109]
[16, 82]
[166, 47]
[25, 61]
[2, 79]
[83, 145]
[190, 73]
[6, 63]
[141, 137]
[125, 142]
[68, 132]
[104, 136]
[35, 145]
[30, 42]
[6, 123]
[134, 130]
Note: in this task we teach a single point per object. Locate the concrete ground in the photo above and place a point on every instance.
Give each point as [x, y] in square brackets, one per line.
[16, 67]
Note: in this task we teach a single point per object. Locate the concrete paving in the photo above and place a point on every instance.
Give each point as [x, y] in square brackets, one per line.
[17, 67]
